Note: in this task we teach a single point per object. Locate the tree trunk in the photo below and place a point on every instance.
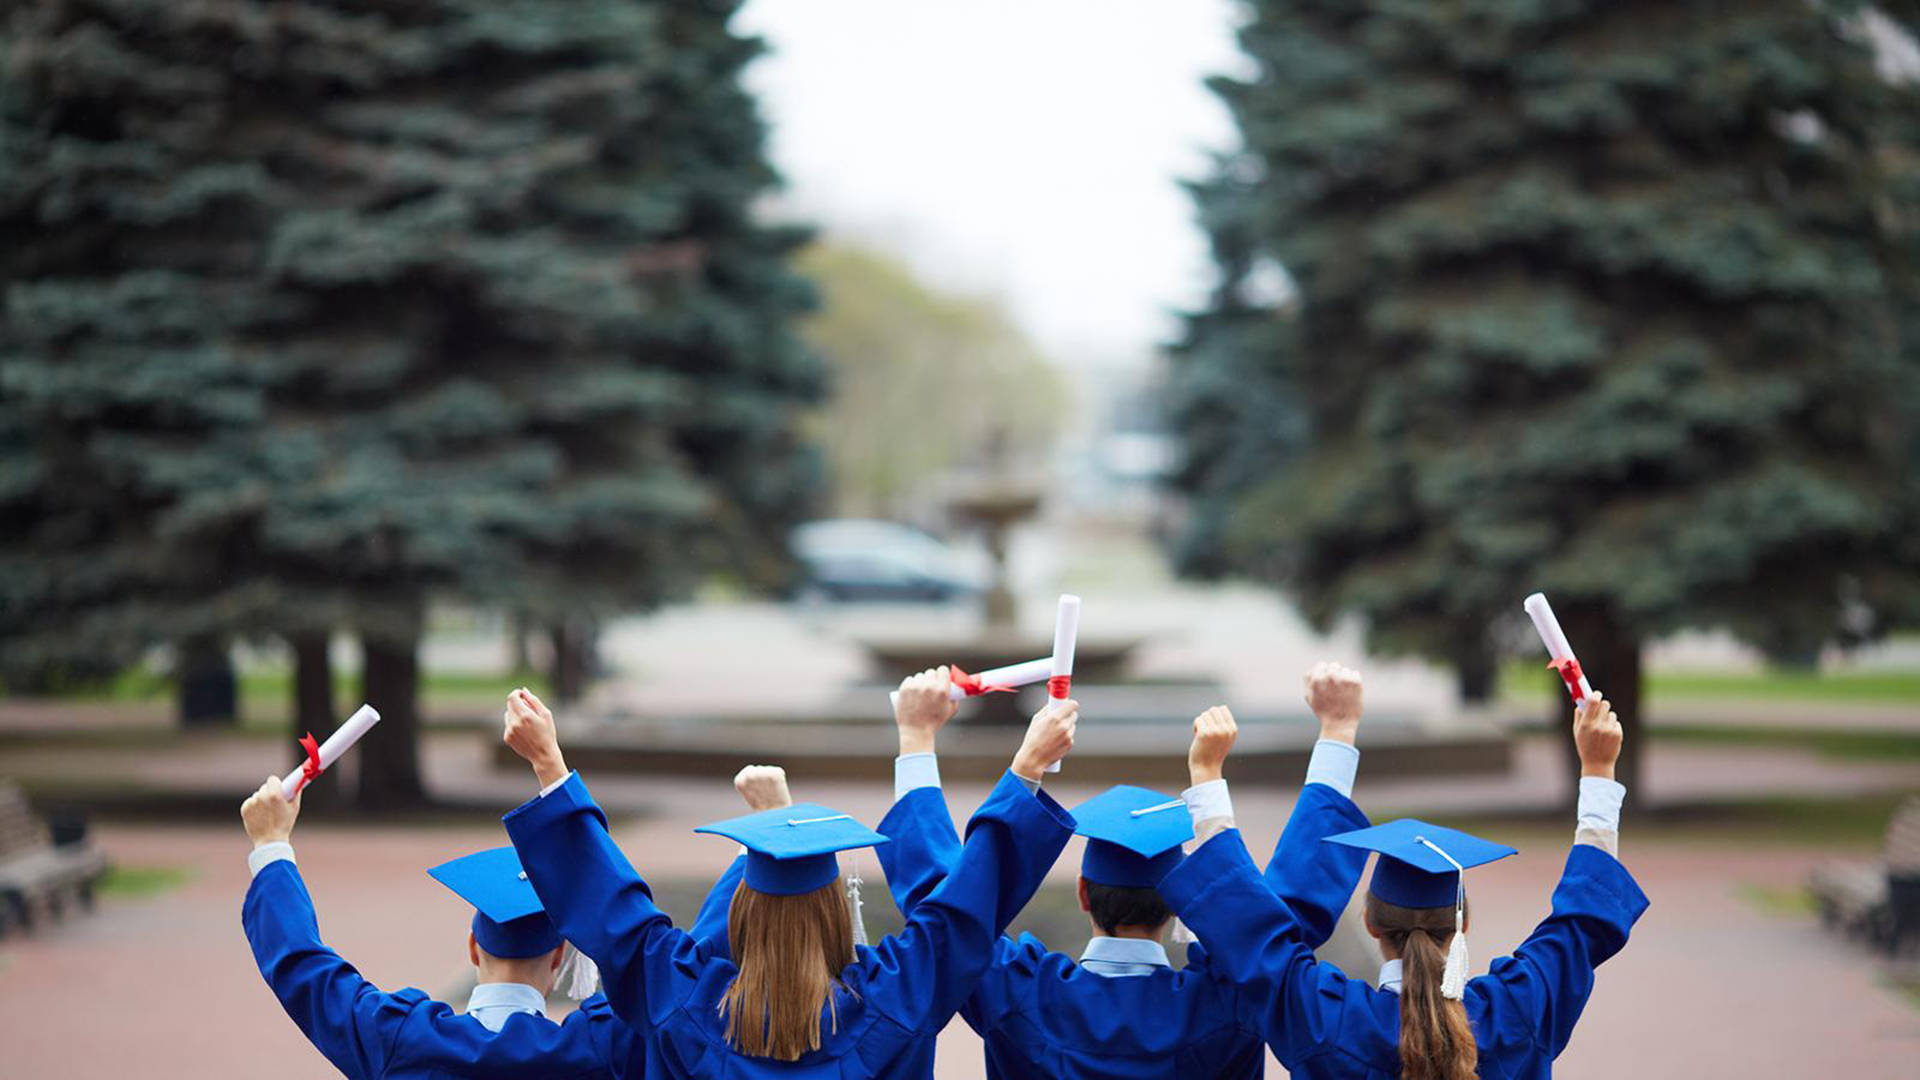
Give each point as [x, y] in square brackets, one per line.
[519, 629]
[573, 659]
[389, 756]
[1476, 669]
[208, 692]
[1609, 654]
[313, 712]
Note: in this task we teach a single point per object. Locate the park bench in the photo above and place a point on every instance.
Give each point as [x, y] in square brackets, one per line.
[38, 872]
[1877, 902]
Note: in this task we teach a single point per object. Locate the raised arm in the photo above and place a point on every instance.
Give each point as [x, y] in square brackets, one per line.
[924, 974]
[1317, 879]
[591, 892]
[1254, 941]
[925, 846]
[347, 1018]
[1543, 987]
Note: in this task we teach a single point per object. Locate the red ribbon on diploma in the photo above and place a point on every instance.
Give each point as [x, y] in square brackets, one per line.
[1058, 686]
[311, 768]
[1569, 670]
[972, 685]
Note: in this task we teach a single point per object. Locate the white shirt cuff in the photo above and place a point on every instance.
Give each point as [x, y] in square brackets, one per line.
[267, 854]
[1208, 801]
[1334, 764]
[912, 772]
[555, 786]
[1600, 801]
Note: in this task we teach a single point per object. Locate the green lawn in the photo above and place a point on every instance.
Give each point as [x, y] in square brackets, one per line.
[1843, 745]
[1522, 681]
[266, 696]
[135, 882]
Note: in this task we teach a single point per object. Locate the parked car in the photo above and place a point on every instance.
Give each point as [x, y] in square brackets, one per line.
[854, 559]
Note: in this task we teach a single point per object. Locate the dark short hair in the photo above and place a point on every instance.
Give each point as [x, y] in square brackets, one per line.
[1120, 905]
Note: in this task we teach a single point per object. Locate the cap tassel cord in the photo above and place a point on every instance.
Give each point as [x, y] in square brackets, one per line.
[1453, 980]
[818, 820]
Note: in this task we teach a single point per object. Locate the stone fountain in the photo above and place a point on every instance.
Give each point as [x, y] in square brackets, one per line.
[994, 502]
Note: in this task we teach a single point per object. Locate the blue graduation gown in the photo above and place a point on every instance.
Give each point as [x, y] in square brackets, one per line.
[368, 1033]
[1322, 1024]
[1040, 1014]
[893, 999]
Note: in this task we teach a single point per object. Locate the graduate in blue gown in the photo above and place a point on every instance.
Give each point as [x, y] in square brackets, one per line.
[1426, 1019]
[797, 997]
[367, 1032]
[1121, 1009]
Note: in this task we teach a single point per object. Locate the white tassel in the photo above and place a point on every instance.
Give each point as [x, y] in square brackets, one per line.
[579, 976]
[857, 906]
[1453, 981]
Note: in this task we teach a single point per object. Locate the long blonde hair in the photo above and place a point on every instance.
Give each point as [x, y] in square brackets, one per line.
[1436, 1042]
[790, 950]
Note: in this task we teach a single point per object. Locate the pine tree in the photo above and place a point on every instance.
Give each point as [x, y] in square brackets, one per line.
[1598, 299]
[477, 284]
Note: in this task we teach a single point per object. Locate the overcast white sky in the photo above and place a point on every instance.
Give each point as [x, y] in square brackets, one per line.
[1025, 149]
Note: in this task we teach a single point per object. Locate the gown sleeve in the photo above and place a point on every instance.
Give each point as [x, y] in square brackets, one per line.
[924, 849]
[924, 846]
[710, 925]
[347, 1018]
[1317, 879]
[601, 904]
[925, 973]
[1254, 940]
[1537, 994]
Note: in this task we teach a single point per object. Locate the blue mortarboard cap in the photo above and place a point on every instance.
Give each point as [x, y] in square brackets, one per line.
[790, 849]
[1412, 874]
[508, 919]
[1133, 836]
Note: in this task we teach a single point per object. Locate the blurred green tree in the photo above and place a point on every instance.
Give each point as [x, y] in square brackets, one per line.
[318, 312]
[899, 347]
[1597, 299]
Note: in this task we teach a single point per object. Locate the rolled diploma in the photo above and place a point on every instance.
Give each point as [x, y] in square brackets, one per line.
[338, 743]
[1555, 639]
[1066, 627]
[1025, 673]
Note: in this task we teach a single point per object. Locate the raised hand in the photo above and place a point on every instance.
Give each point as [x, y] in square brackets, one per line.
[1214, 732]
[764, 787]
[529, 732]
[267, 814]
[923, 708]
[1597, 736]
[1049, 737]
[1333, 693]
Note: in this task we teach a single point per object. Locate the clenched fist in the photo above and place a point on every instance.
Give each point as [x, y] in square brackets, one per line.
[1597, 736]
[1333, 693]
[1214, 732]
[1049, 737]
[923, 708]
[267, 814]
[764, 787]
[529, 732]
